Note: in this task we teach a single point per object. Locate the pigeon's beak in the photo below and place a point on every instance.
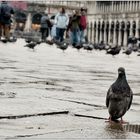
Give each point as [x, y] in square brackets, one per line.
[119, 72]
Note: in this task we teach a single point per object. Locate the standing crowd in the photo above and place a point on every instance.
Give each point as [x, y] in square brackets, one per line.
[64, 25]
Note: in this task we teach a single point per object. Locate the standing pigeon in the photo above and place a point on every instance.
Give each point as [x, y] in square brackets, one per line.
[129, 49]
[114, 51]
[31, 45]
[119, 97]
[63, 46]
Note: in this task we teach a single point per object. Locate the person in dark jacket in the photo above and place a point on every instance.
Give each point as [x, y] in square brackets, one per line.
[5, 19]
[74, 28]
[45, 26]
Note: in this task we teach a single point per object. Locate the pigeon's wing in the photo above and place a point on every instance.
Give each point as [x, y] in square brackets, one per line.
[131, 98]
[109, 92]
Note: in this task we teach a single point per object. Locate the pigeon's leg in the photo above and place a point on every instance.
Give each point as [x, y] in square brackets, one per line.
[122, 121]
[109, 119]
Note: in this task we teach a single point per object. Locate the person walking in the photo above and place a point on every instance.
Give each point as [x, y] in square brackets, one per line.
[6, 11]
[61, 21]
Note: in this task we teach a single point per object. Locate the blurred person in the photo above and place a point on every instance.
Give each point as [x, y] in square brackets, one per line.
[45, 25]
[74, 28]
[6, 11]
[83, 25]
[61, 21]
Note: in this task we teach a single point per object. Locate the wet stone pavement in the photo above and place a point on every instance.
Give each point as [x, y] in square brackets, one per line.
[50, 94]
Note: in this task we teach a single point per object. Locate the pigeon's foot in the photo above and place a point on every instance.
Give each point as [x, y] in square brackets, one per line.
[108, 120]
[123, 122]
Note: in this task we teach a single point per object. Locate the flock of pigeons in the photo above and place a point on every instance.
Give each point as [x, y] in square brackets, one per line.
[112, 50]
[119, 96]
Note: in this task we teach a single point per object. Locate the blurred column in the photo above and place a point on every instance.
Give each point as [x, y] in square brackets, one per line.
[125, 36]
[105, 34]
[137, 27]
[97, 32]
[114, 33]
[119, 35]
[109, 33]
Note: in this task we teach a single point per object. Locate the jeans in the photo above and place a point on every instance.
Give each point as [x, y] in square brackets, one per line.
[75, 36]
[82, 38]
[60, 34]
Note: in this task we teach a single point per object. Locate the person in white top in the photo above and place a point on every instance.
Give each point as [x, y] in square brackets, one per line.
[61, 21]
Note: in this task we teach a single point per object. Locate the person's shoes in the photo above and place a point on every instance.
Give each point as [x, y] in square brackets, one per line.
[73, 44]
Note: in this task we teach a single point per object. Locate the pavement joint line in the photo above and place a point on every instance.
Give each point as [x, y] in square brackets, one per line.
[33, 115]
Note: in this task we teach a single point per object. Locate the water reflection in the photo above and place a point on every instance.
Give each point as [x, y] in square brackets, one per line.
[116, 130]
[120, 131]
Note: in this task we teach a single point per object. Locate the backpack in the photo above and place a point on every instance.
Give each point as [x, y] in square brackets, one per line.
[83, 23]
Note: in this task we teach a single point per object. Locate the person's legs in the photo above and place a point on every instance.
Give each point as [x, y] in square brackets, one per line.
[82, 39]
[42, 34]
[45, 34]
[74, 37]
[57, 33]
[7, 31]
[1, 30]
[62, 34]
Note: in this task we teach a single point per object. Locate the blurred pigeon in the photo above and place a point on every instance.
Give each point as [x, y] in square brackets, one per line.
[50, 42]
[77, 46]
[28, 41]
[61, 45]
[4, 40]
[114, 51]
[129, 50]
[88, 47]
[13, 39]
[119, 97]
[31, 45]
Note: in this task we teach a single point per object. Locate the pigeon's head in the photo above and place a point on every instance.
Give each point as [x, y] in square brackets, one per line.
[121, 72]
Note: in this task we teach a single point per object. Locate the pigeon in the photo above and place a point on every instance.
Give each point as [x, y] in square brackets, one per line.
[28, 41]
[78, 46]
[31, 45]
[88, 47]
[13, 39]
[128, 51]
[114, 51]
[119, 97]
[4, 40]
[50, 42]
[63, 46]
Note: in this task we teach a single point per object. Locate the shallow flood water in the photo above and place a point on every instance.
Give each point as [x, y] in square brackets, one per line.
[48, 80]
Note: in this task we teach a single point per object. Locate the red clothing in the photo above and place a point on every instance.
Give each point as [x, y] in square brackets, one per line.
[83, 22]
